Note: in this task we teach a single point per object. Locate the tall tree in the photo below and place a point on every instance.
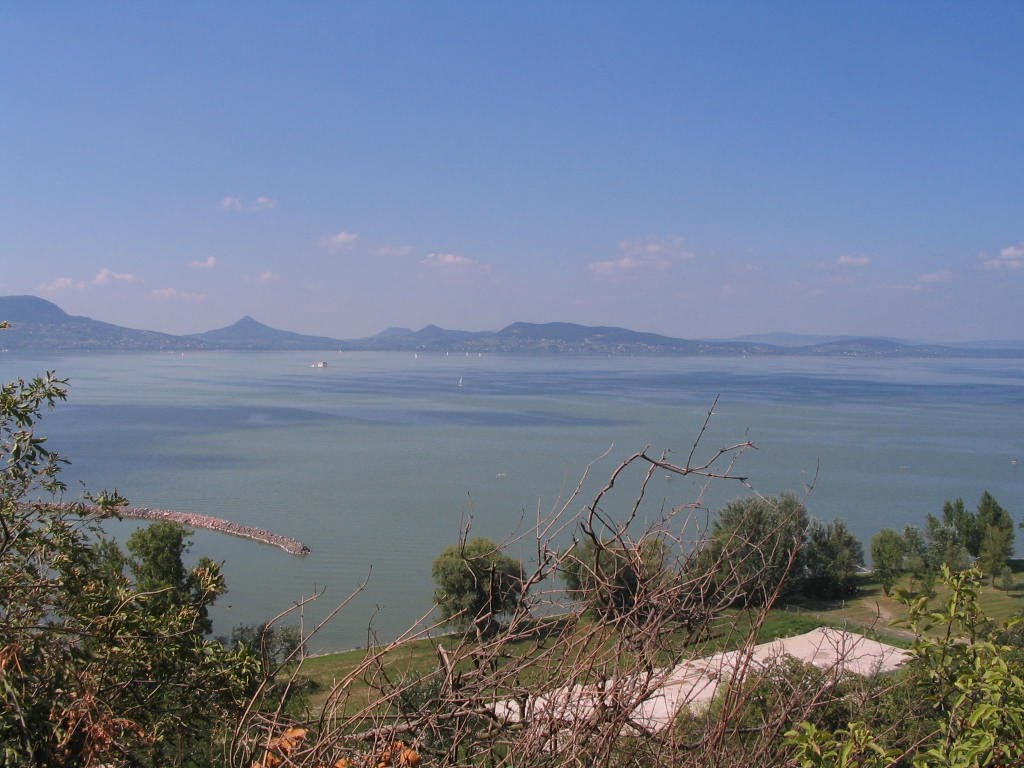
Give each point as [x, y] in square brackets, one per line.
[157, 565]
[995, 529]
[832, 556]
[996, 548]
[887, 551]
[944, 545]
[476, 583]
[755, 548]
[964, 523]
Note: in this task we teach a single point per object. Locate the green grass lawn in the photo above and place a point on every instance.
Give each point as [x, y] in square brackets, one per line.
[869, 612]
[420, 657]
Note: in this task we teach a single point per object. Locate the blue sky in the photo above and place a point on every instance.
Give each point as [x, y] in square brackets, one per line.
[699, 170]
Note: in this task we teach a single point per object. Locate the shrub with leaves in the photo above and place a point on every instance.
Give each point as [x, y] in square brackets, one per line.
[95, 667]
[476, 583]
[969, 679]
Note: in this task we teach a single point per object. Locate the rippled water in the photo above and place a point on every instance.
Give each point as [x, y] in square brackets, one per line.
[376, 460]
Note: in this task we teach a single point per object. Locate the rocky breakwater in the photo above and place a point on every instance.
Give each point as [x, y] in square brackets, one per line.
[262, 535]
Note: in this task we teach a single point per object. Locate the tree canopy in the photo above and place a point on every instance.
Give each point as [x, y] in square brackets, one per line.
[613, 579]
[755, 548]
[98, 667]
[832, 556]
[476, 583]
[887, 553]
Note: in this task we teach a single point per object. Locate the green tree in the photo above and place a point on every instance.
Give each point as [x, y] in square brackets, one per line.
[476, 583]
[616, 580]
[915, 559]
[964, 524]
[91, 672]
[965, 677]
[159, 571]
[887, 551]
[276, 645]
[991, 513]
[996, 548]
[755, 548]
[944, 546]
[832, 556]
[996, 531]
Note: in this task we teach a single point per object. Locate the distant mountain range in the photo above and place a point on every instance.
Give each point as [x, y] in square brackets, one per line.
[37, 324]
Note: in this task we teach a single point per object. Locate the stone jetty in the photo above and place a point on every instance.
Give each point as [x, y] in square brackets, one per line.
[262, 535]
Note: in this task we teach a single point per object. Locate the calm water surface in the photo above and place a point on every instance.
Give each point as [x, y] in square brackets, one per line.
[376, 460]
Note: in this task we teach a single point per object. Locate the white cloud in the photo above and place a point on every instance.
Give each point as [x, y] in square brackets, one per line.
[265, 278]
[231, 203]
[657, 248]
[942, 276]
[451, 261]
[389, 251]
[106, 277]
[1011, 257]
[61, 284]
[172, 294]
[264, 204]
[648, 253]
[339, 241]
[1013, 251]
[846, 260]
[208, 263]
[614, 266]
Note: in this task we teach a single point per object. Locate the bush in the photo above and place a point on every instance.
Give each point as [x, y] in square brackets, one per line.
[614, 580]
[97, 668]
[755, 547]
[831, 558]
[476, 583]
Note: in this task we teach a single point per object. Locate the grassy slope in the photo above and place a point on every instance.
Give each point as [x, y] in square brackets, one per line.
[882, 617]
[869, 612]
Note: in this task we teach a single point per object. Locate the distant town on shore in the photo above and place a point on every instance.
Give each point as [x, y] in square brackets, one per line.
[36, 324]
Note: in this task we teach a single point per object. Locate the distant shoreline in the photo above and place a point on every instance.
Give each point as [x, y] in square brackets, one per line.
[38, 324]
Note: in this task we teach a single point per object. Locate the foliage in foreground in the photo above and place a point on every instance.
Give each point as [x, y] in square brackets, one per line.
[968, 680]
[103, 658]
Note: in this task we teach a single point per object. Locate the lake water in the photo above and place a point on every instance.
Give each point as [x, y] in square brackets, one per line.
[377, 460]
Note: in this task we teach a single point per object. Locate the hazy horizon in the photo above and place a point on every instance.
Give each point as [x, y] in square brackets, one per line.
[698, 172]
[784, 338]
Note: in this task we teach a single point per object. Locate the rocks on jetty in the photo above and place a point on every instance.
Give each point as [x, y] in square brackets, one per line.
[262, 535]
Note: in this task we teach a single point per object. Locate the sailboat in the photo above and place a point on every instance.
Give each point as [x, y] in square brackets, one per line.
[460, 383]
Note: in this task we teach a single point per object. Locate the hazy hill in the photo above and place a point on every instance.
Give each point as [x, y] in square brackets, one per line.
[248, 333]
[547, 338]
[782, 339]
[40, 324]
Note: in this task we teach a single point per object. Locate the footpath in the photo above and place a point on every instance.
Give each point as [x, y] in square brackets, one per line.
[694, 683]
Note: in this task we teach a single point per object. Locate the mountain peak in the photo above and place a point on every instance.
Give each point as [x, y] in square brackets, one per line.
[249, 333]
[30, 309]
